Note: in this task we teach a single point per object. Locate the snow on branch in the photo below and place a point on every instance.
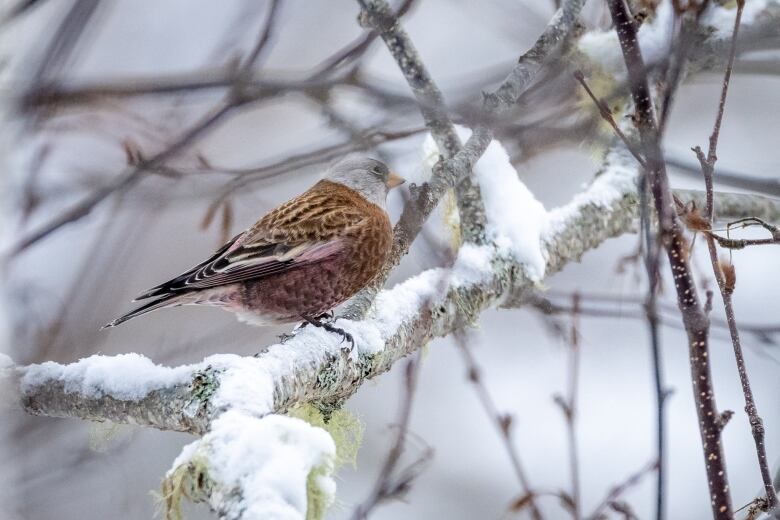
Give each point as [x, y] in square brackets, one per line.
[211, 397]
[251, 469]
[313, 366]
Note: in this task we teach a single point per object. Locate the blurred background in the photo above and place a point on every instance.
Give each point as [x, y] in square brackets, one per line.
[142, 229]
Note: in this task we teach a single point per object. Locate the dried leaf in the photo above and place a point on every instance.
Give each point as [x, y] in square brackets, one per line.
[624, 509]
[203, 161]
[729, 275]
[568, 502]
[505, 422]
[694, 220]
[521, 502]
[133, 154]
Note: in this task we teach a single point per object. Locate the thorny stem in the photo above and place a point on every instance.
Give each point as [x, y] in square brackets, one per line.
[726, 288]
[694, 319]
[503, 422]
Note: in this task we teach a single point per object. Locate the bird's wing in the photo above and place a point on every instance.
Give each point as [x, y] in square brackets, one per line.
[308, 229]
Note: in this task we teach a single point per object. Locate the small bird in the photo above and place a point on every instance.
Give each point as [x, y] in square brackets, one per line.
[300, 260]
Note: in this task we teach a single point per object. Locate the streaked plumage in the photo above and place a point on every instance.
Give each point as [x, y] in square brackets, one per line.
[300, 260]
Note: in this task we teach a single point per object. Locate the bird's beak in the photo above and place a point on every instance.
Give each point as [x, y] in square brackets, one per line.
[394, 180]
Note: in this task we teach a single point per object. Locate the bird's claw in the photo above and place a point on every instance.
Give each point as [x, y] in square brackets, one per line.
[284, 337]
[345, 336]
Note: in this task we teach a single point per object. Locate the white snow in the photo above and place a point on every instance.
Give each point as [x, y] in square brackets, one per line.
[721, 19]
[655, 38]
[247, 383]
[125, 376]
[7, 384]
[268, 461]
[402, 302]
[473, 264]
[515, 219]
[610, 186]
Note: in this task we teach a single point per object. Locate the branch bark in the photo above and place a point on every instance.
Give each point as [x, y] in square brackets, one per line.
[311, 366]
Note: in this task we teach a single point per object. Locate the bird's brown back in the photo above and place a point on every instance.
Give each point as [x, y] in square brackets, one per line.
[328, 211]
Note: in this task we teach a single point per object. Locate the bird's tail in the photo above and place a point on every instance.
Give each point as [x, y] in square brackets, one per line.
[169, 300]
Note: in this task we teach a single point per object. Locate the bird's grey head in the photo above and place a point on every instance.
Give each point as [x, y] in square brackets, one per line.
[369, 177]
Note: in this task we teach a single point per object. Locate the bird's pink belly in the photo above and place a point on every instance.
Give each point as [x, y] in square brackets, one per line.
[307, 290]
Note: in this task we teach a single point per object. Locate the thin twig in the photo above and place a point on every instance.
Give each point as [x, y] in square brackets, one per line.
[766, 186]
[606, 114]
[237, 96]
[426, 197]
[378, 15]
[265, 36]
[621, 488]
[650, 245]
[726, 281]
[694, 319]
[354, 49]
[392, 483]
[502, 421]
[124, 180]
[569, 407]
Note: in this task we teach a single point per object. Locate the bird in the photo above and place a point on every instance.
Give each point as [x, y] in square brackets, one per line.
[299, 261]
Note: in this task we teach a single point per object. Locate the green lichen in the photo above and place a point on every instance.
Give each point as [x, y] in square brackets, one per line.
[188, 480]
[204, 384]
[318, 499]
[345, 429]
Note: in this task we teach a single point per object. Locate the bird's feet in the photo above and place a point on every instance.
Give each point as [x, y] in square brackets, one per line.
[284, 337]
[318, 322]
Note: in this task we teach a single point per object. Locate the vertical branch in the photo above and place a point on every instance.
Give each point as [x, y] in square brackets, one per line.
[694, 319]
[725, 276]
[391, 483]
[569, 407]
[503, 423]
[377, 14]
[425, 198]
[265, 36]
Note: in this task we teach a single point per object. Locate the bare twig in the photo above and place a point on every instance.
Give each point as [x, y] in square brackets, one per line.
[355, 49]
[606, 114]
[621, 488]
[724, 274]
[569, 407]
[124, 180]
[236, 97]
[766, 186]
[393, 483]
[448, 174]
[502, 421]
[265, 36]
[378, 15]
[649, 244]
[694, 319]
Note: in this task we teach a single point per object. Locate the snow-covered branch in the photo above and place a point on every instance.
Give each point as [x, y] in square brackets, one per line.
[252, 462]
[312, 366]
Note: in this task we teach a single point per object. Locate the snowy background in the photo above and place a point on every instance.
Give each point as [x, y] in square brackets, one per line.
[59, 292]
